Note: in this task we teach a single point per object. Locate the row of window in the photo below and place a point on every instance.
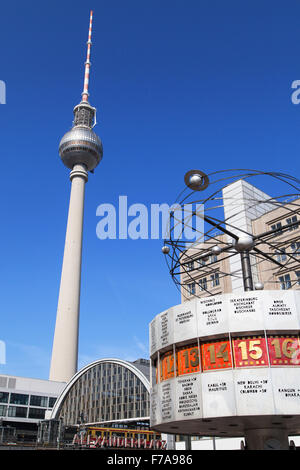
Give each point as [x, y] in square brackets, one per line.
[190, 265]
[21, 412]
[282, 255]
[24, 399]
[204, 283]
[289, 221]
[94, 416]
[285, 281]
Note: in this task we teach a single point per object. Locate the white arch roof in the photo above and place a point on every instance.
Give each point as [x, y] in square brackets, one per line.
[118, 362]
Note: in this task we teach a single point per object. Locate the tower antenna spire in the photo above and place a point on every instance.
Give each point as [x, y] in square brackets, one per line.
[85, 93]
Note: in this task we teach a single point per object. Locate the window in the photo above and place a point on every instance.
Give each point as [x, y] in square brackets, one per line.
[190, 265]
[17, 412]
[19, 399]
[203, 284]
[203, 261]
[213, 258]
[280, 255]
[285, 282]
[276, 227]
[191, 288]
[295, 248]
[52, 400]
[3, 409]
[3, 397]
[298, 277]
[37, 400]
[292, 220]
[215, 281]
[36, 413]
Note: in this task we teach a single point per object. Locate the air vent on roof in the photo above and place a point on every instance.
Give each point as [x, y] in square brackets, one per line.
[11, 383]
[3, 381]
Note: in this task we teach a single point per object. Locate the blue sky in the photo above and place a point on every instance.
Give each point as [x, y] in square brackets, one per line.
[177, 85]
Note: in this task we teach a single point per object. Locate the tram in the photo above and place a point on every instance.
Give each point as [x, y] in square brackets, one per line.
[93, 437]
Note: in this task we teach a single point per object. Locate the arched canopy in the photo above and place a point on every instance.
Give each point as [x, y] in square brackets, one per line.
[117, 362]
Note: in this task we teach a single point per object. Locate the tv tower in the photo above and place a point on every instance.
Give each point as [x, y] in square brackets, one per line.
[81, 151]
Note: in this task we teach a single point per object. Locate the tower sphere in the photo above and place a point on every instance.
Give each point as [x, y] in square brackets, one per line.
[81, 145]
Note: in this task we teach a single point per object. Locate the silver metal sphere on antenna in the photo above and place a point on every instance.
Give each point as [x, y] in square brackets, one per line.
[165, 249]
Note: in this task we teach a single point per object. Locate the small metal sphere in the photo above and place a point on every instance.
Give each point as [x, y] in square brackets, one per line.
[81, 145]
[216, 250]
[244, 243]
[196, 180]
[259, 286]
[165, 249]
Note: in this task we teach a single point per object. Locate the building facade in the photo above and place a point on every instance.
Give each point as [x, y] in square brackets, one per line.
[276, 265]
[25, 401]
[106, 391]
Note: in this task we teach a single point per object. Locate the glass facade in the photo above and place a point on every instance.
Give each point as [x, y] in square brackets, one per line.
[4, 397]
[107, 391]
[37, 400]
[36, 413]
[52, 401]
[27, 403]
[19, 399]
[17, 412]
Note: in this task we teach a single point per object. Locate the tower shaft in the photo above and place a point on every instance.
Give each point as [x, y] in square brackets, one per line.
[65, 343]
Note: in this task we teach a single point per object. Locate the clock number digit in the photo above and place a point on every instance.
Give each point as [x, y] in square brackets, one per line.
[255, 346]
[288, 350]
[243, 347]
[276, 344]
[186, 358]
[212, 353]
[194, 357]
[254, 349]
[223, 353]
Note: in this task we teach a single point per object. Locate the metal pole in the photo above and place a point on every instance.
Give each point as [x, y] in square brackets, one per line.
[188, 443]
[246, 270]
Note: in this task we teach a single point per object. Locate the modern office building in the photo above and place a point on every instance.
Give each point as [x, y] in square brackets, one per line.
[24, 402]
[207, 273]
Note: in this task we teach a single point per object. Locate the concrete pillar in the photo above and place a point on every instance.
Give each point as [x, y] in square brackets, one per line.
[267, 439]
[65, 343]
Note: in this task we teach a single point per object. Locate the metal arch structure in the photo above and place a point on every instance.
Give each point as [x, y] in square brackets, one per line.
[119, 362]
[207, 191]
